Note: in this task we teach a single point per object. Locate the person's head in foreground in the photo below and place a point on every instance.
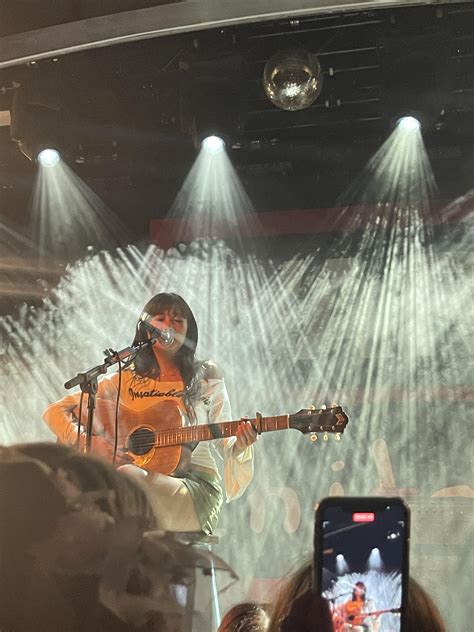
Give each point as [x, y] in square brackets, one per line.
[75, 552]
[245, 617]
[297, 609]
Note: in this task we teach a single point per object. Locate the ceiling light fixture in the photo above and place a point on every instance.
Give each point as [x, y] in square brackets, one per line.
[213, 144]
[48, 157]
[409, 123]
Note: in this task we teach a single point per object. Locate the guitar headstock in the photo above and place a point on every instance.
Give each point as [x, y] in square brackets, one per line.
[314, 421]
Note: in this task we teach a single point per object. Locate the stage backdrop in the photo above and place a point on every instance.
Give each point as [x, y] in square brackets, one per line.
[385, 332]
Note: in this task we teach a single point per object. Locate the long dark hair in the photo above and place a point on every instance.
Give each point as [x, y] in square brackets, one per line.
[359, 585]
[422, 615]
[145, 363]
[294, 586]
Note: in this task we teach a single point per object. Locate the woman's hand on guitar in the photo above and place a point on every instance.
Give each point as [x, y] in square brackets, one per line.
[246, 436]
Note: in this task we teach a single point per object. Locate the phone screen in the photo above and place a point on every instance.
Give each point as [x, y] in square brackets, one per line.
[362, 562]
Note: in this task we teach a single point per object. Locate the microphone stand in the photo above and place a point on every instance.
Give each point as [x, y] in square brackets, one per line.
[344, 594]
[87, 380]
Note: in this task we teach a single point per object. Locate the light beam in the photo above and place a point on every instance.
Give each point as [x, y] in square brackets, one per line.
[341, 565]
[66, 215]
[375, 562]
[212, 202]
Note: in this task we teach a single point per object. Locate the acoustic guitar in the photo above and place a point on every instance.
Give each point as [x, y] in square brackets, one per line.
[156, 439]
[342, 622]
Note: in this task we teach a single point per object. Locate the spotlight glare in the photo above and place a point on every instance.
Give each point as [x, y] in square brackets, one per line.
[409, 123]
[375, 561]
[213, 144]
[48, 157]
[341, 564]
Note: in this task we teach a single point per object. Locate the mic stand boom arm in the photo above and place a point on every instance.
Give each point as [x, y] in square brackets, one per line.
[88, 380]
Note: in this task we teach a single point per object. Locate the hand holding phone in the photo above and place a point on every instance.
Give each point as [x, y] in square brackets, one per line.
[361, 562]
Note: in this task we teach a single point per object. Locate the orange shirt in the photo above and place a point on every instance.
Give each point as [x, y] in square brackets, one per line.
[139, 394]
[352, 611]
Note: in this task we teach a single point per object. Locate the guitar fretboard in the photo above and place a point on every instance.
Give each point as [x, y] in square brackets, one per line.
[222, 430]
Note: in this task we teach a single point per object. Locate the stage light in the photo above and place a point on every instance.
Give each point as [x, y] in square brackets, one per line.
[375, 560]
[66, 214]
[341, 564]
[48, 157]
[292, 79]
[409, 124]
[213, 144]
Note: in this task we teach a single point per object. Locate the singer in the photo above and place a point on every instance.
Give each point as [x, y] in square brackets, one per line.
[162, 371]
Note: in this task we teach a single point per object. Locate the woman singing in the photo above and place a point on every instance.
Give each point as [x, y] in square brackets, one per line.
[349, 615]
[170, 373]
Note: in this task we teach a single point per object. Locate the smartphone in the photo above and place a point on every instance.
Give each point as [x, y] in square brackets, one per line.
[361, 561]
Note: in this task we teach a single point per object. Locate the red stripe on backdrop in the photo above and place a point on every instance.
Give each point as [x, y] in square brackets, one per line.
[168, 231]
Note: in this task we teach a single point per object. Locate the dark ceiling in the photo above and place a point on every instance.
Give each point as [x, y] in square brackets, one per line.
[125, 116]
[29, 15]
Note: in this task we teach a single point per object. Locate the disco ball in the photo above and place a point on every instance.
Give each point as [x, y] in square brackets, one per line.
[292, 79]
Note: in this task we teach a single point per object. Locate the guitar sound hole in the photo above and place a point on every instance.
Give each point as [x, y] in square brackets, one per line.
[141, 441]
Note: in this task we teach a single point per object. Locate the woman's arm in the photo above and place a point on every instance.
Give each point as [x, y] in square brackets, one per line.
[62, 416]
[235, 451]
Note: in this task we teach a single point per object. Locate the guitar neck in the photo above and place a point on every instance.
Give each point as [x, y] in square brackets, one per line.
[377, 613]
[221, 430]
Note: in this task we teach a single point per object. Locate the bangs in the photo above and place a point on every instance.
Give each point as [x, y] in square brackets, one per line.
[145, 363]
[172, 303]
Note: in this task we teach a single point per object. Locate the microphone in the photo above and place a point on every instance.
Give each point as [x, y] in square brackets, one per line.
[349, 592]
[165, 336]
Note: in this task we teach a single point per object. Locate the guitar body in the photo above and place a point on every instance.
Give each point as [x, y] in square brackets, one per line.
[352, 617]
[157, 441]
[137, 431]
[349, 616]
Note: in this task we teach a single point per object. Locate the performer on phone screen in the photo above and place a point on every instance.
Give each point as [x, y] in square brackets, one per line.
[352, 614]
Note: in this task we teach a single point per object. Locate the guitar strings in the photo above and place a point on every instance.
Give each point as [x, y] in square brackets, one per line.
[172, 434]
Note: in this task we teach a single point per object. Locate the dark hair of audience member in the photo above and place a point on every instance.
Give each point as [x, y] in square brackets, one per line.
[245, 617]
[422, 615]
[294, 586]
[32, 595]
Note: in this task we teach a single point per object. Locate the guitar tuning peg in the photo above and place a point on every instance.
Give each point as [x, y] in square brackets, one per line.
[312, 407]
[325, 436]
[337, 436]
[323, 407]
[313, 437]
